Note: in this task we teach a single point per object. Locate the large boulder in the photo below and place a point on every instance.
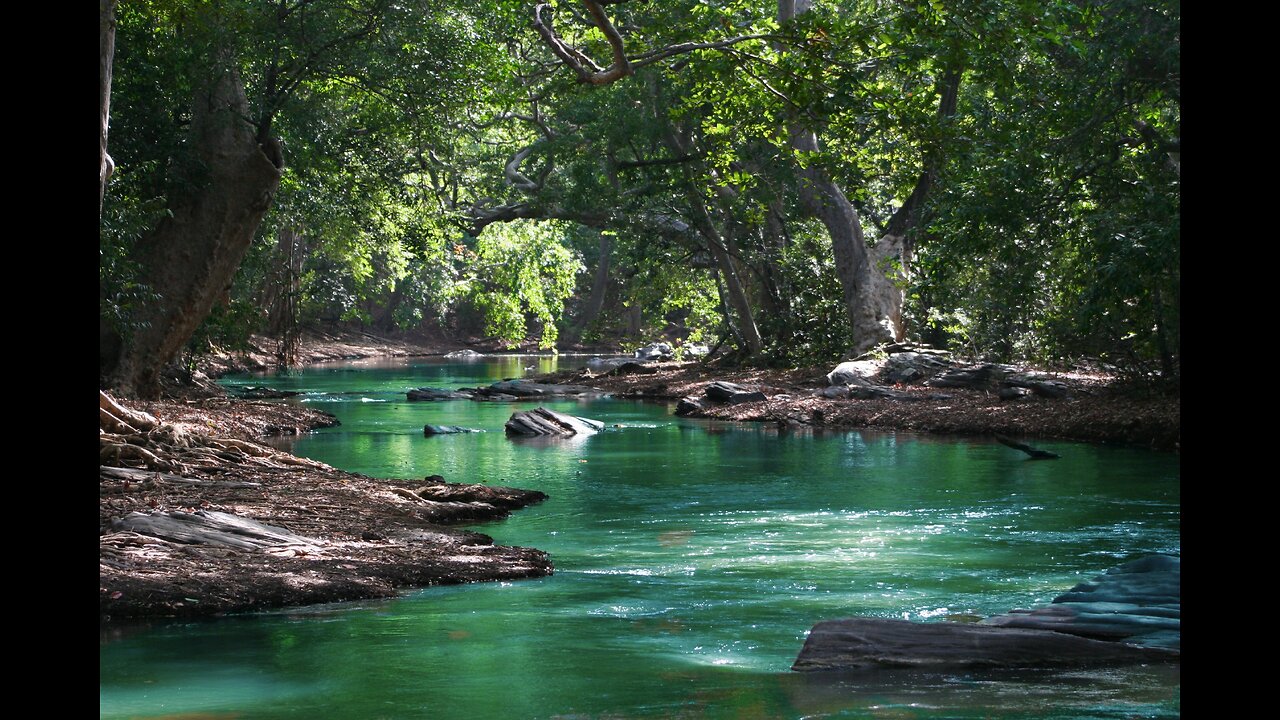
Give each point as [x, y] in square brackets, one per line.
[854, 372]
[1138, 602]
[732, 393]
[655, 351]
[542, 421]
[976, 377]
[909, 368]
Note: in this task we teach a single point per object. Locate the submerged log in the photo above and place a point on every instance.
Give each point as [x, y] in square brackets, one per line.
[1035, 453]
[541, 421]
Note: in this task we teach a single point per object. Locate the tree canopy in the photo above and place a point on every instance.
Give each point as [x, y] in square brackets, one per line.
[800, 180]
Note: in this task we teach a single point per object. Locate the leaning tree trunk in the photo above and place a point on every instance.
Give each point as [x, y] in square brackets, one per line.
[106, 53]
[190, 258]
[736, 294]
[864, 298]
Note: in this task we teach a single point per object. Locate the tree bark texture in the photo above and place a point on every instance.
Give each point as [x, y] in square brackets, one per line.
[190, 258]
[106, 53]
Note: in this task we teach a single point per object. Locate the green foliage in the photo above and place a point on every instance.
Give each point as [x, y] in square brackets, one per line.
[1051, 231]
[517, 272]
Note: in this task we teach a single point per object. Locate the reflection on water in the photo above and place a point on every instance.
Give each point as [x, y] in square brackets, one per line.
[691, 559]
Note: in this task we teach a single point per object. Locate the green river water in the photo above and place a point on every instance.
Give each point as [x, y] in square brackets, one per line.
[691, 560]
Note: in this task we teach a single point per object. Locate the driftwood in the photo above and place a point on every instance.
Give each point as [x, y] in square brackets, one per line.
[1035, 453]
[150, 476]
[207, 527]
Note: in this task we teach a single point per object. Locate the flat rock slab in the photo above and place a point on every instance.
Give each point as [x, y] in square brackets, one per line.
[527, 389]
[1131, 613]
[427, 393]
[208, 527]
[541, 421]
[1139, 602]
[732, 393]
[862, 643]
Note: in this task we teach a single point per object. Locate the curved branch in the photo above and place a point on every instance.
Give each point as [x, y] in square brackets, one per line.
[515, 177]
[620, 62]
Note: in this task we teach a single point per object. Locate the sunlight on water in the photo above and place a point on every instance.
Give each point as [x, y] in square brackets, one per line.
[691, 560]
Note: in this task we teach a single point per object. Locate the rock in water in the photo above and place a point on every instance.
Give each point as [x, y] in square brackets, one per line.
[429, 430]
[527, 389]
[427, 393]
[1130, 614]
[862, 643]
[541, 421]
[689, 406]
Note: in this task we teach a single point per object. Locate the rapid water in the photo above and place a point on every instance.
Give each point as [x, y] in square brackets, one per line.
[691, 559]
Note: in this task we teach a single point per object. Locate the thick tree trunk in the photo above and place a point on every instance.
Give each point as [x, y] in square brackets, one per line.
[863, 297]
[106, 53]
[595, 301]
[190, 258]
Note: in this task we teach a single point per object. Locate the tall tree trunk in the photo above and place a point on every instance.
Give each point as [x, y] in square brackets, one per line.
[106, 53]
[825, 199]
[746, 327]
[599, 285]
[190, 258]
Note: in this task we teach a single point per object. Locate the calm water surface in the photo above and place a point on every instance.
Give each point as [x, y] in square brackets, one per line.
[691, 560]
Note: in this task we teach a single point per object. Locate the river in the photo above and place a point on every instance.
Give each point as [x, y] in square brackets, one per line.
[691, 559]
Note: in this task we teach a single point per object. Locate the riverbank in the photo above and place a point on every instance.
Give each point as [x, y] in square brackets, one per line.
[1092, 408]
[199, 518]
[366, 538]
